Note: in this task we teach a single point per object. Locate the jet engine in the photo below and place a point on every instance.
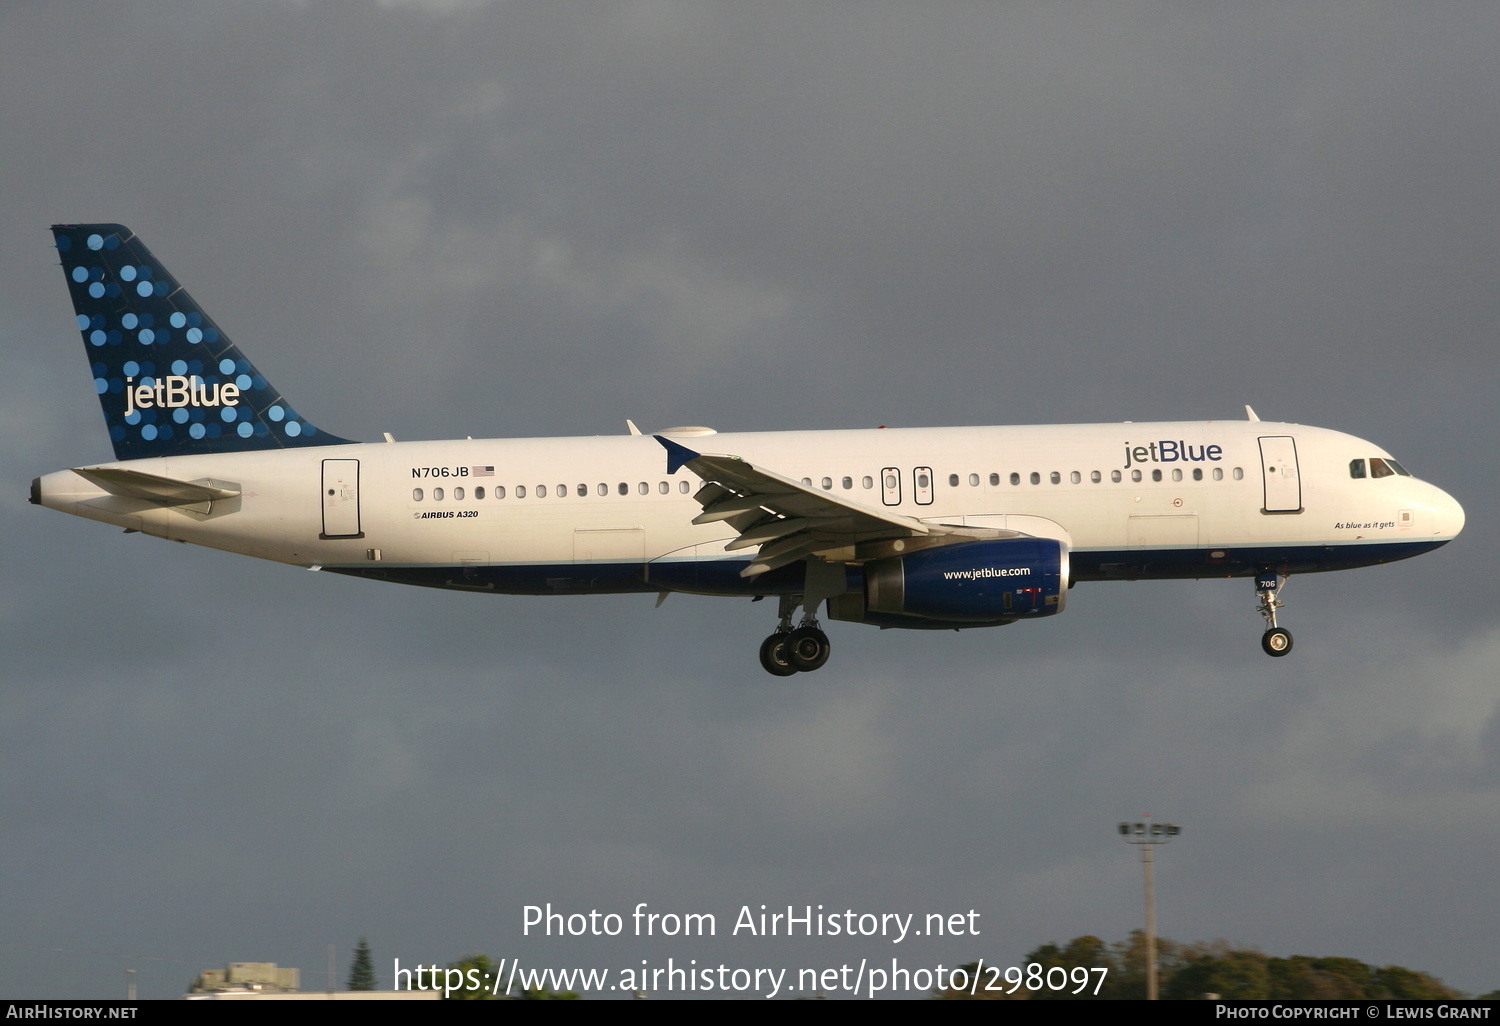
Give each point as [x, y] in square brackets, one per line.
[971, 584]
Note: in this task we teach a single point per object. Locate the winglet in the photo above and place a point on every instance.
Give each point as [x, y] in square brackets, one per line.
[1250, 414]
[677, 455]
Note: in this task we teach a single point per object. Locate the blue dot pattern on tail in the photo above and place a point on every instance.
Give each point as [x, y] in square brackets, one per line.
[170, 382]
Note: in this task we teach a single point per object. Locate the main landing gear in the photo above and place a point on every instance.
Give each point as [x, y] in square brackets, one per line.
[794, 650]
[1277, 641]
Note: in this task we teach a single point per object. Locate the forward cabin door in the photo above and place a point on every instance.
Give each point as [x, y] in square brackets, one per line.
[341, 499]
[1278, 465]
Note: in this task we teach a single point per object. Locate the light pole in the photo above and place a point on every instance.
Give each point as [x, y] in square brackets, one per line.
[1148, 835]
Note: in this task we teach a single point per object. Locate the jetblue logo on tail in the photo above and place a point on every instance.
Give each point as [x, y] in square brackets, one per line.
[174, 391]
[169, 381]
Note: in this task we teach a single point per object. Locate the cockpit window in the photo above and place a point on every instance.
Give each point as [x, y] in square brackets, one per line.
[1356, 468]
[1379, 468]
[1398, 468]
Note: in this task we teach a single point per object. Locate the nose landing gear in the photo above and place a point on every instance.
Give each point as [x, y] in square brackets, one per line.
[1277, 641]
[794, 650]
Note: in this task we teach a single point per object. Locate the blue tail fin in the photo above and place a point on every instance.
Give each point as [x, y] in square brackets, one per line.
[171, 383]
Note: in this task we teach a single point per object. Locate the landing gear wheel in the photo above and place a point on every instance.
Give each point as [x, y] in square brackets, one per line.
[1277, 641]
[773, 655]
[807, 648]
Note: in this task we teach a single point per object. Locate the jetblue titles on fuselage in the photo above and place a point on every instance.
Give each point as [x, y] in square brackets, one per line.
[1168, 451]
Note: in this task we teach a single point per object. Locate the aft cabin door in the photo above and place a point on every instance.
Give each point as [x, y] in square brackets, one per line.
[341, 499]
[1278, 471]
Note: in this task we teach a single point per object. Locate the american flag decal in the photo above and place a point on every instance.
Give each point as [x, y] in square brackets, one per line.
[481, 471]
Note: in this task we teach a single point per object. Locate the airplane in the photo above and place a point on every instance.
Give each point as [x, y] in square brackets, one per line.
[918, 528]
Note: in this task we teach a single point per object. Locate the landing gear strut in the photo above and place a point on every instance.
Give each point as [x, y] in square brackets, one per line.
[793, 650]
[1277, 641]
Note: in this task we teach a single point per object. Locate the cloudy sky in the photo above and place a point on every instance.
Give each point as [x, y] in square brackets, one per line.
[460, 217]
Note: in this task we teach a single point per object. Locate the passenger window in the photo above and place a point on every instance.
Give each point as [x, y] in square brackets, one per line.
[520, 491]
[416, 495]
[1218, 473]
[602, 488]
[952, 480]
[973, 480]
[1095, 476]
[828, 484]
[562, 491]
[1156, 475]
[890, 482]
[643, 488]
[541, 491]
[1114, 475]
[994, 480]
[1075, 477]
[1176, 473]
[664, 488]
[499, 491]
[1239, 473]
[1036, 478]
[1015, 479]
[682, 486]
[1055, 477]
[924, 479]
[583, 491]
[1197, 473]
[437, 495]
[848, 483]
[624, 488]
[867, 481]
[1135, 475]
[458, 493]
[1379, 469]
[1356, 469]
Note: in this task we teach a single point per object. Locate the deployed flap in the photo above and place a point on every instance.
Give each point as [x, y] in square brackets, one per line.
[790, 520]
[164, 491]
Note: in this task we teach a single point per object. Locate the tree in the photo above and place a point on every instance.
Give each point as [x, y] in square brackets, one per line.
[1218, 969]
[1085, 951]
[481, 976]
[362, 969]
[1407, 985]
[1188, 971]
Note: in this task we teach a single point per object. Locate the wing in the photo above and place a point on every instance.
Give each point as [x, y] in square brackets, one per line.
[786, 518]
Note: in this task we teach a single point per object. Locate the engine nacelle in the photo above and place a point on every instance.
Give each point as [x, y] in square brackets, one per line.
[972, 584]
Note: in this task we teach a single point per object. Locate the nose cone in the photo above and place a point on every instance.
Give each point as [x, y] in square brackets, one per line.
[1439, 516]
[1449, 514]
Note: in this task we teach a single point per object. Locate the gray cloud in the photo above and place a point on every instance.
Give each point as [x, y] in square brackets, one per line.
[446, 218]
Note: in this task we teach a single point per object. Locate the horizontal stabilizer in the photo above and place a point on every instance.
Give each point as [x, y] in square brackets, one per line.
[164, 491]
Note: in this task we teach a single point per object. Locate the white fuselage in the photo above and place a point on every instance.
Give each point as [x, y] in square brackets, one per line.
[557, 515]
